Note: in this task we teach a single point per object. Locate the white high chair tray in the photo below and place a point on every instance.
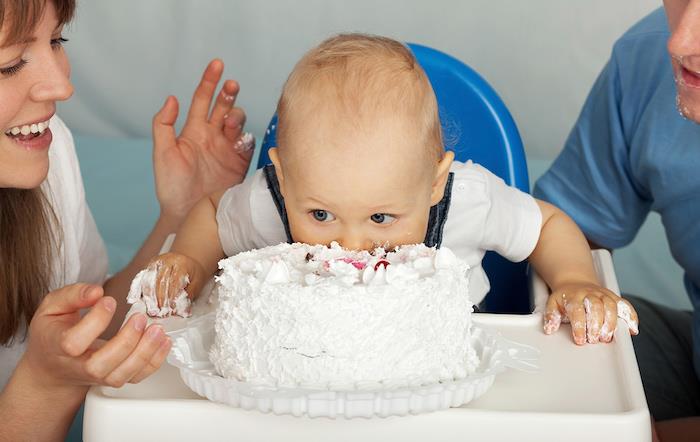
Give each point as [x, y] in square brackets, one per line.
[578, 393]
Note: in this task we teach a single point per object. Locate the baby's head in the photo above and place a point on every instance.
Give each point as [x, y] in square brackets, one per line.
[360, 157]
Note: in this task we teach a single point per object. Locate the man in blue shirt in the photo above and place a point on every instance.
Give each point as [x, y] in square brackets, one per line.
[636, 148]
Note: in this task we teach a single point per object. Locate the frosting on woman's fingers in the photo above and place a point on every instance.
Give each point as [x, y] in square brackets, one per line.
[245, 143]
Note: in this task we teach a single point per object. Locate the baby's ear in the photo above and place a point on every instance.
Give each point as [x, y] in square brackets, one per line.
[441, 173]
[273, 153]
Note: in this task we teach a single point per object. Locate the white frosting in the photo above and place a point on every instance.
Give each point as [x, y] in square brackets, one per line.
[298, 315]
[143, 288]
[624, 312]
[246, 142]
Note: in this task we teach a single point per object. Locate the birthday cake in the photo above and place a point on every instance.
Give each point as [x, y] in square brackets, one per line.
[295, 315]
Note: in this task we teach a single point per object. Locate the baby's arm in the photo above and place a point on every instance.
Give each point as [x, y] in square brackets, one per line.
[173, 278]
[563, 258]
[198, 239]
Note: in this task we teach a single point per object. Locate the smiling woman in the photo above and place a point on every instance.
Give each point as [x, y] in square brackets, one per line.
[49, 239]
[27, 243]
[35, 72]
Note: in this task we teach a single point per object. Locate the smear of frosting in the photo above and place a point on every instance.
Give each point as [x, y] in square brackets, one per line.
[245, 143]
[143, 289]
[624, 312]
[594, 333]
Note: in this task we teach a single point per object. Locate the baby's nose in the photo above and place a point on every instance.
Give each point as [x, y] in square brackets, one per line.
[355, 242]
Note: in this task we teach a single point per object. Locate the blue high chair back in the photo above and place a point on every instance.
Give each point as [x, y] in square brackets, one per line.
[476, 126]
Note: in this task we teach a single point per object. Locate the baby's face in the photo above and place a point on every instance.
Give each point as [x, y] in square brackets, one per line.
[362, 196]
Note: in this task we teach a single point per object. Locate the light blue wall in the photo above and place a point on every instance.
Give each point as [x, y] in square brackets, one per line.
[540, 55]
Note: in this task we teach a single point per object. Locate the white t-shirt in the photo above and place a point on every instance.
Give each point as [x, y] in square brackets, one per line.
[82, 256]
[484, 214]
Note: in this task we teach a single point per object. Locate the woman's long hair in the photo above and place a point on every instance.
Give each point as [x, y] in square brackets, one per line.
[28, 241]
[27, 245]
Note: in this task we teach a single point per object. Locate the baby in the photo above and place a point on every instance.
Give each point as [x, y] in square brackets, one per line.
[360, 160]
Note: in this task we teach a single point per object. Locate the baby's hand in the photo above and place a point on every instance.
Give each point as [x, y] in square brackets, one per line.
[162, 285]
[592, 311]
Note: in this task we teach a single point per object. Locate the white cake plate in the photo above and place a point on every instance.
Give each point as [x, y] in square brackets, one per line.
[190, 355]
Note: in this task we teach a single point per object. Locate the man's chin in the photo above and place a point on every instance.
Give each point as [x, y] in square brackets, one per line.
[689, 107]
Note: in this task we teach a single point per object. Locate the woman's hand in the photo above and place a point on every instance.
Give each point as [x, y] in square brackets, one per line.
[64, 351]
[592, 311]
[210, 154]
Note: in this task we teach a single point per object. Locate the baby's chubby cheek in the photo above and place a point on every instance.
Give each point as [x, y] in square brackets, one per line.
[413, 234]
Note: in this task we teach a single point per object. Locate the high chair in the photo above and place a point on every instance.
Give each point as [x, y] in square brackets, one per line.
[567, 392]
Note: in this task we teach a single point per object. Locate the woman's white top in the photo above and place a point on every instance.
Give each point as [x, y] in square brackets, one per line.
[82, 256]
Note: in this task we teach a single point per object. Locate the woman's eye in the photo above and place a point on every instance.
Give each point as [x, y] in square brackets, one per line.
[322, 215]
[382, 218]
[57, 43]
[12, 70]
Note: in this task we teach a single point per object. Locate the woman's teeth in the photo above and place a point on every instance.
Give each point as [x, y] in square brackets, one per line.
[35, 129]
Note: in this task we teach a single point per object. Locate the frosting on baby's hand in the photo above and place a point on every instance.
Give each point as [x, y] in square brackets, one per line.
[143, 288]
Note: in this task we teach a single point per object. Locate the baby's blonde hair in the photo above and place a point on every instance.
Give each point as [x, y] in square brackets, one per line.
[361, 76]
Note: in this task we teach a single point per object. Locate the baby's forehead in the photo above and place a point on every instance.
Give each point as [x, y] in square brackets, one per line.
[379, 159]
[377, 183]
[353, 138]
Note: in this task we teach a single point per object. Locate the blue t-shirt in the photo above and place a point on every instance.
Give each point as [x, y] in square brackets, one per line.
[631, 152]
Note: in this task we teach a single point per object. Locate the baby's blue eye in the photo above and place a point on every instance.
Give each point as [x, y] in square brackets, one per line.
[382, 218]
[322, 215]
